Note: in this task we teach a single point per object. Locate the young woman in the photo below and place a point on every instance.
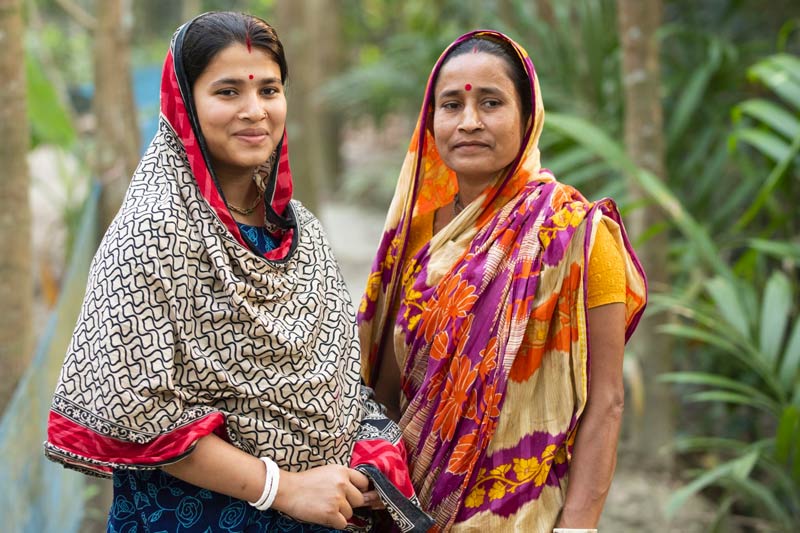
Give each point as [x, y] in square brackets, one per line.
[495, 318]
[215, 361]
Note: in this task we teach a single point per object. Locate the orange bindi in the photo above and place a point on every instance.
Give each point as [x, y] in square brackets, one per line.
[468, 87]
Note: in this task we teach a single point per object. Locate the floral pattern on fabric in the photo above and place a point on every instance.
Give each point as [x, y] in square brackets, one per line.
[493, 303]
[152, 500]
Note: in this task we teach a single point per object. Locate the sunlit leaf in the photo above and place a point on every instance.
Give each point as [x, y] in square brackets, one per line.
[771, 114]
[708, 478]
[773, 74]
[775, 312]
[780, 250]
[50, 122]
[726, 298]
[714, 380]
[731, 397]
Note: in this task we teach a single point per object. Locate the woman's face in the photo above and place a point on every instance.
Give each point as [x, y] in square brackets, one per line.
[477, 121]
[241, 107]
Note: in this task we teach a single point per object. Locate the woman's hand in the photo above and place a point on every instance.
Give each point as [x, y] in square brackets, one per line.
[323, 495]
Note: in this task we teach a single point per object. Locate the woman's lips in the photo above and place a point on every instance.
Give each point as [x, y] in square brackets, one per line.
[252, 136]
[470, 146]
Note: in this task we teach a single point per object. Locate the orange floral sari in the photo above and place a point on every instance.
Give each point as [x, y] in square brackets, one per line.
[488, 322]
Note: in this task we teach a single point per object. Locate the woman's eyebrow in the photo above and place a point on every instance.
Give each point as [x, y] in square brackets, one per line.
[482, 90]
[239, 81]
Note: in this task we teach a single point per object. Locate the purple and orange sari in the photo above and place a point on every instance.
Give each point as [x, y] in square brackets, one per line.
[488, 321]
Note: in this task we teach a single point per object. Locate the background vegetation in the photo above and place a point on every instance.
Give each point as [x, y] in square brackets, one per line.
[708, 176]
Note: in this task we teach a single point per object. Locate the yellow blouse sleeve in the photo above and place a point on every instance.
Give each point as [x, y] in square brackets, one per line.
[606, 278]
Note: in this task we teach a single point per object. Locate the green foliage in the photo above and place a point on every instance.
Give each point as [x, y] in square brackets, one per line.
[50, 122]
[764, 342]
[773, 129]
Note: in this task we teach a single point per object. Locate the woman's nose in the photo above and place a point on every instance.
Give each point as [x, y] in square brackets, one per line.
[470, 120]
[252, 108]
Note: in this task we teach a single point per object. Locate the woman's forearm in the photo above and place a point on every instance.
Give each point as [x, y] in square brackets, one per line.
[594, 456]
[592, 466]
[221, 467]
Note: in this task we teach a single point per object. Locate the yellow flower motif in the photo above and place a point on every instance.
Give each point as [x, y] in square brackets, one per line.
[501, 470]
[412, 324]
[373, 286]
[497, 491]
[526, 468]
[475, 498]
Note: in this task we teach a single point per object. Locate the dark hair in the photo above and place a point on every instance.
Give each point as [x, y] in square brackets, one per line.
[503, 50]
[209, 34]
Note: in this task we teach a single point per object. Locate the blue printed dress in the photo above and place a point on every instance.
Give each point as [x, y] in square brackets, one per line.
[152, 501]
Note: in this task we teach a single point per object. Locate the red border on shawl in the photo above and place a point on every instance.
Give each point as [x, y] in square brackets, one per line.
[81, 441]
[389, 458]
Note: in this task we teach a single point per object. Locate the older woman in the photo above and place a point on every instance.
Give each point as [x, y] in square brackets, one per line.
[215, 360]
[495, 318]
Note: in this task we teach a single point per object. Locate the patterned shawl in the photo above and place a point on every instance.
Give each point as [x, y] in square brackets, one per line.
[185, 330]
[490, 329]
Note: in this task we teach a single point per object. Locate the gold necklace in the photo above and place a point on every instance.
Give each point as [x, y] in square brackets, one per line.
[245, 211]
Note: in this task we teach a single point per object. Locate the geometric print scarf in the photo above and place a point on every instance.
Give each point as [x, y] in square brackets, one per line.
[185, 330]
[489, 311]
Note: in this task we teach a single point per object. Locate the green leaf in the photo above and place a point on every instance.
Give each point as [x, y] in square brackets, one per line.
[690, 99]
[760, 494]
[771, 114]
[732, 397]
[766, 142]
[775, 312]
[780, 250]
[776, 77]
[790, 364]
[697, 334]
[787, 436]
[770, 183]
[714, 380]
[710, 477]
[596, 140]
[725, 296]
[50, 122]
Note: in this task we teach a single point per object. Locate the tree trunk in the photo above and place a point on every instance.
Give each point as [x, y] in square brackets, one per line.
[16, 281]
[638, 22]
[309, 30]
[117, 131]
[327, 24]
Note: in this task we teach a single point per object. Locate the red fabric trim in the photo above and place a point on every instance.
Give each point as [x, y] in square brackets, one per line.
[389, 458]
[66, 435]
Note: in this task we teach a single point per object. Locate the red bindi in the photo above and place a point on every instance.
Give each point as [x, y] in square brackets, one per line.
[468, 87]
[251, 76]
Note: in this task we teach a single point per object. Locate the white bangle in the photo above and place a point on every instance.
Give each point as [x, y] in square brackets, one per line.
[271, 481]
[573, 530]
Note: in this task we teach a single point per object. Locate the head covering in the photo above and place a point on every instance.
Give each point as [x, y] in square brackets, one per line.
[488, 324]
[185, 330]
